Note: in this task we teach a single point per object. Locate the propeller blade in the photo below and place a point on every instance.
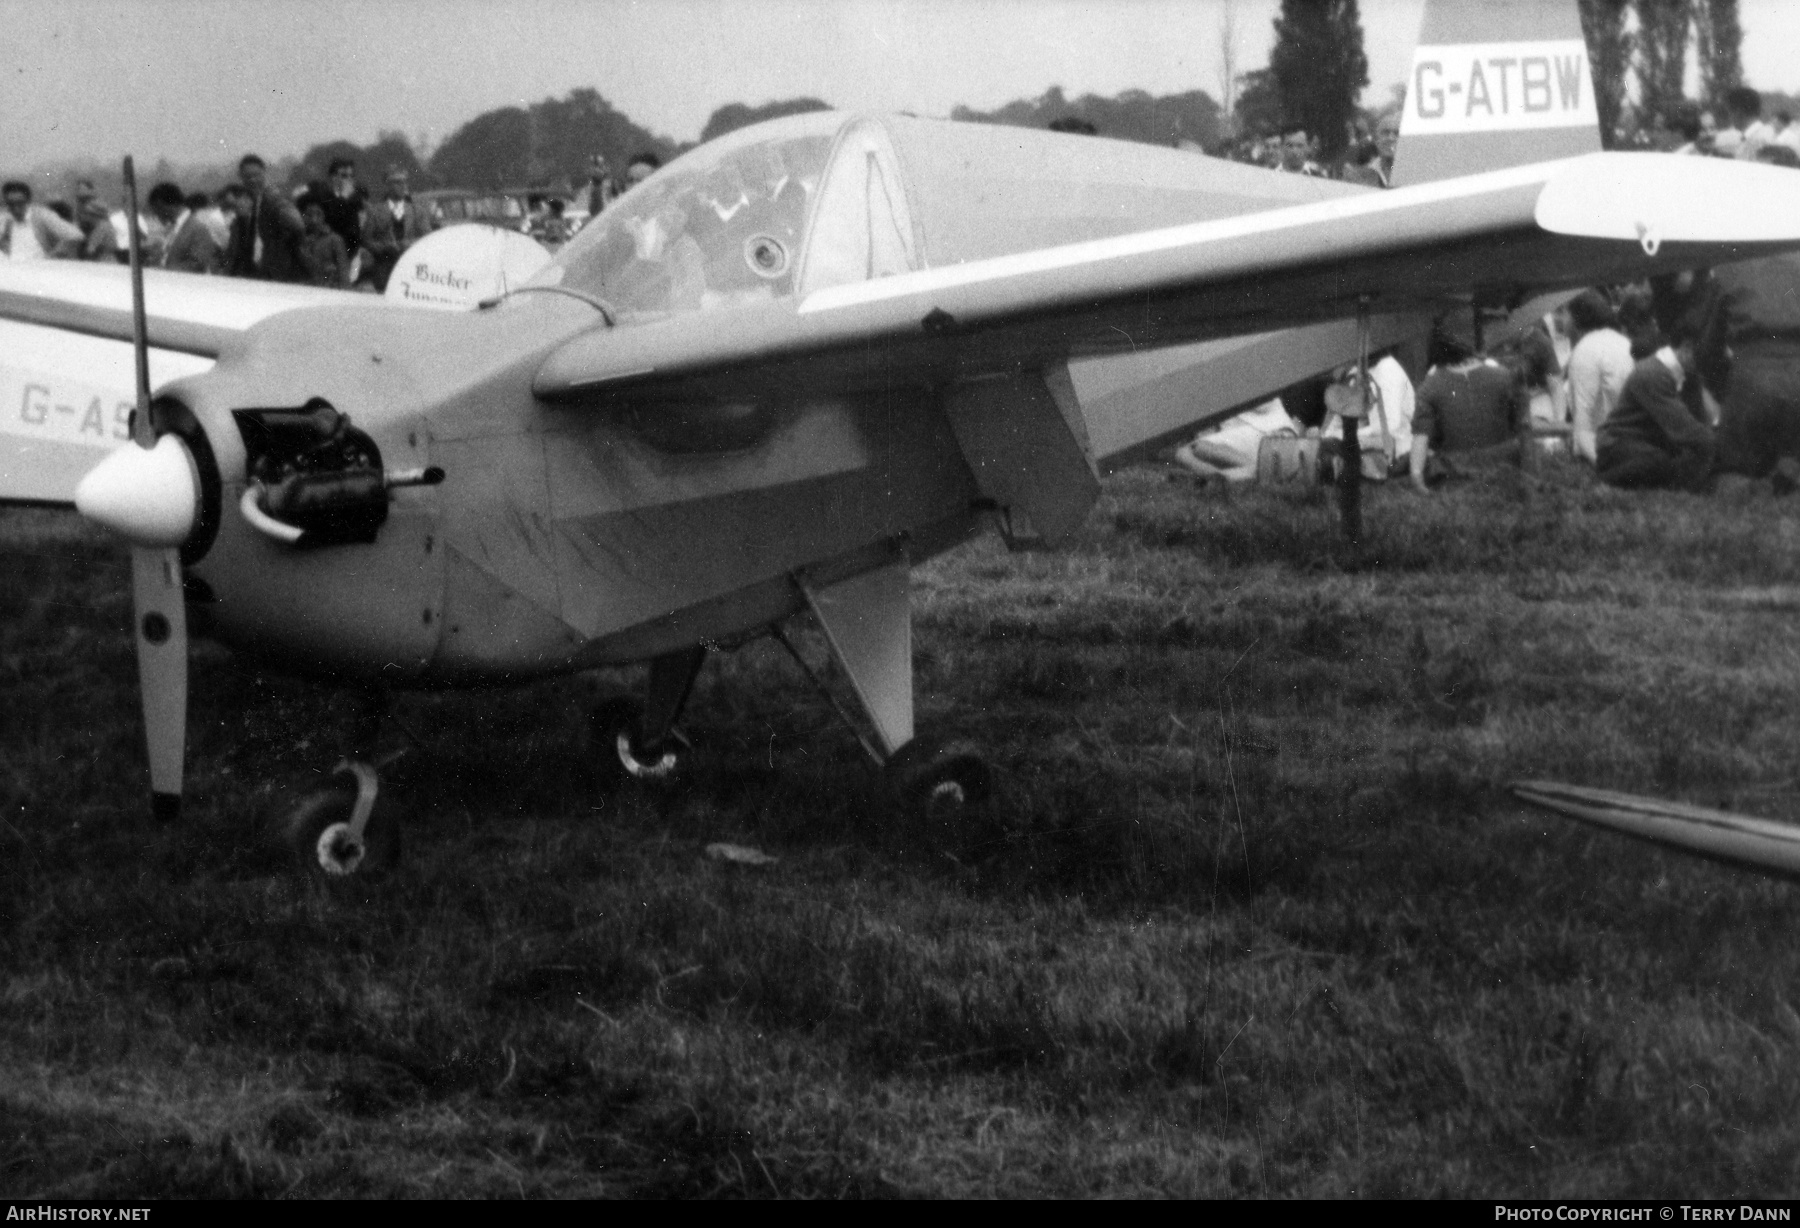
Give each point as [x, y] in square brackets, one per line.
[158, 610]
[160, 614]
[142, 430]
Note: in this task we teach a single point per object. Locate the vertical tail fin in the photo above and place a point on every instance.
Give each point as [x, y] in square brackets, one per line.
[1495, 83]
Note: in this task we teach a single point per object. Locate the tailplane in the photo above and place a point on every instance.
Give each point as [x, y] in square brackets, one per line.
[1495, 85]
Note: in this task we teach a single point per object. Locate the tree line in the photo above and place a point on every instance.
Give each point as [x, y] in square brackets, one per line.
[1316, 74]
[1638, 51]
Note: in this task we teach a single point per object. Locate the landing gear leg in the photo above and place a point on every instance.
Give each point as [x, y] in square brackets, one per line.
[868, 623]
[641, 740]
[350, 827]
[347, 829]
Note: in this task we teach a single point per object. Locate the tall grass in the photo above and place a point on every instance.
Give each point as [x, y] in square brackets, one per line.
[1249, 916]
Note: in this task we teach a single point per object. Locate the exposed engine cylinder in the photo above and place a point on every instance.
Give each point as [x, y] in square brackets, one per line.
[312, 471]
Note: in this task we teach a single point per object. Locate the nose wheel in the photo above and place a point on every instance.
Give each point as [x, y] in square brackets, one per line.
[348, 829]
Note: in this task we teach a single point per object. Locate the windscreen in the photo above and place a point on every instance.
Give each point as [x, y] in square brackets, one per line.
[719, 227]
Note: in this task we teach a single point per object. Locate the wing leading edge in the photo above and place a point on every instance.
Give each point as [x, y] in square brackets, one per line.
[185, 313]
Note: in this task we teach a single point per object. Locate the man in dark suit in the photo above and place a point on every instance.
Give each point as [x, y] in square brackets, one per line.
[390, 226]
[1652, 438]
[265, 238]
[346, 205]
[189, 247]
[1752, 339]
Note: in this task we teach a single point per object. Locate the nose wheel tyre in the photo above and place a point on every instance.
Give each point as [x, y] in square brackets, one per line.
[329, 838]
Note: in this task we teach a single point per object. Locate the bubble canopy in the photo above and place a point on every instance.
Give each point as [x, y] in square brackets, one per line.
[773, 211]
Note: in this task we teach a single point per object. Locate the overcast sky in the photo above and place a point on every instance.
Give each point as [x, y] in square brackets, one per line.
[207, 79]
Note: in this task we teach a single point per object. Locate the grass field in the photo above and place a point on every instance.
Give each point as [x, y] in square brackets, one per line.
[1251, 917]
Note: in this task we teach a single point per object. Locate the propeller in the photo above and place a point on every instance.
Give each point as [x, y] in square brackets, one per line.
[147, 492]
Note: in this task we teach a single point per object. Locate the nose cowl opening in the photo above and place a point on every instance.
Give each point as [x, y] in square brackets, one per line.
[148, 496]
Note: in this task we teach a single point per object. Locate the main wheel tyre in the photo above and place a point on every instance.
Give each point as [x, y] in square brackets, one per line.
[316, 829]
[618, 737]
[937, 785]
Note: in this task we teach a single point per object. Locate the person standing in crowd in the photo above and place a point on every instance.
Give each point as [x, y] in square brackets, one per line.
[1743, 110]
[265, 239]
[1709, 134]
[1387, 141]
[1652, 440]
[1788, 132]
[85, 195]
[1747, 113]
[322, 250]
[1599, 364]
[1469, 404]
[1362, 164]
[1296, 153]
[641, 167]
[101, 241]
[211, 217]
[189, 246]
[1678, 129]
[1752, 333]
[390, 226]
[601, 189]
[1378, 171]
[233, 203]
[546, 222]
[346, 205]
[33, 232]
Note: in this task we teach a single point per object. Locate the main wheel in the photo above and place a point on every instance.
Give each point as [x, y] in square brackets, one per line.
[618, 736]
[316, 829]
[937, 785]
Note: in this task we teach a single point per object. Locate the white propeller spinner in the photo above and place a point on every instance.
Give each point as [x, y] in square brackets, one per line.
[148, 496]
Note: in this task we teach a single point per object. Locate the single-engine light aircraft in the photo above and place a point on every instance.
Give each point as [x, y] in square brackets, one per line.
[782, 371]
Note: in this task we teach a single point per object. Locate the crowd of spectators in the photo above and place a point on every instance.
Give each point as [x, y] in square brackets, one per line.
[1690, 382]
[329, 234]
[332, 232]
[1738, 128]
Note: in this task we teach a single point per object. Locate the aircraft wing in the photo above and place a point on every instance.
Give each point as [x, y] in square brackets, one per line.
[1580, 221]
[185, 313]
[66, 381]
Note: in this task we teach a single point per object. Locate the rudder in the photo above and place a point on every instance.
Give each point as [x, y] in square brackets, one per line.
[1495, 85]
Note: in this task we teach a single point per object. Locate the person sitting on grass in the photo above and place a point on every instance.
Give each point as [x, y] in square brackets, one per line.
[1599, 365]
[1652, 439]
[1230, 449]
[1385, 435]
[1470, 406]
